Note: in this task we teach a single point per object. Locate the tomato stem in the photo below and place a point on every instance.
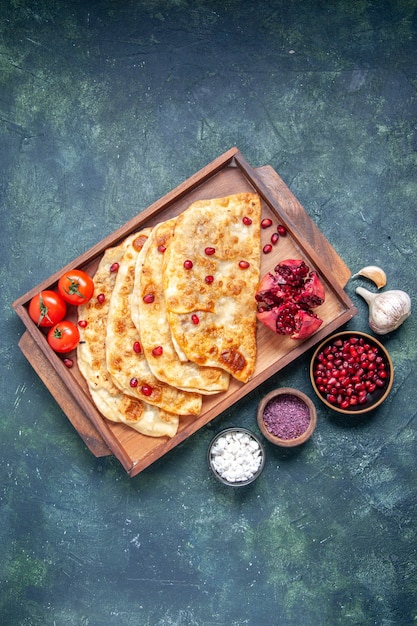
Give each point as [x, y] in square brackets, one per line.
[73, 289]
[44, 311]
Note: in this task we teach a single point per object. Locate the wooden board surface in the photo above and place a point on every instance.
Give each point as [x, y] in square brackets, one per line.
[230, 173]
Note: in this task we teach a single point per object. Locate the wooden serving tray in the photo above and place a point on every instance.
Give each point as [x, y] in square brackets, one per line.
[230, 173]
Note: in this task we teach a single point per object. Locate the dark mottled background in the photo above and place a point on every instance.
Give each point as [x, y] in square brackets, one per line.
[104, 107]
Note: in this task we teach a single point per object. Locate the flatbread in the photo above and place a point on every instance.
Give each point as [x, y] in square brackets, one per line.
[112, 403]
[214, 324]
[151, 321]
[129, 369]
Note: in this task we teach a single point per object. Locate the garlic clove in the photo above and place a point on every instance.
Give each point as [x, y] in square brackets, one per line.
[374, 273]
[387, 310]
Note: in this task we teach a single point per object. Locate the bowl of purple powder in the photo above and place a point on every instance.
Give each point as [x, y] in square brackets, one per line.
[287, 417]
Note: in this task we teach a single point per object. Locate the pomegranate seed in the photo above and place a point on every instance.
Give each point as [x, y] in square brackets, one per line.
[157, 351]
[195, 319]
[69, 363]
[188, 264]
[244, 265]
[348, 372]
[137, 347]
[146, 390]
[133, 382]
[83, 323]
[209, 279]
[274, 238]
[247, 220]
[209, 251]
[267, 248]
[114, 267]
[148, 298]
[161, 249]
[101, 298]
[266, 222]
[282, 230]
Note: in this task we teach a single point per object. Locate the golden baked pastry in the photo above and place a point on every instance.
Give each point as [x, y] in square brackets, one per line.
[151, 320]
[211, 272]
[91, 358]
[126, 362]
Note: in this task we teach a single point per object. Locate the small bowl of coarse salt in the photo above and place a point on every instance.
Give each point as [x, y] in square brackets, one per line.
[287, 417]
[236, 457]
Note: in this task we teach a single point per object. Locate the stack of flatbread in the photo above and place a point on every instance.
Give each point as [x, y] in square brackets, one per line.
[177, 319]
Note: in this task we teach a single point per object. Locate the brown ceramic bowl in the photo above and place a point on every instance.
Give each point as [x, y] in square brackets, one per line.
[336, 398]
[287, 417]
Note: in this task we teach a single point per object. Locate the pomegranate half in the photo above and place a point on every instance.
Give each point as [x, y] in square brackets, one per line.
[286, 298]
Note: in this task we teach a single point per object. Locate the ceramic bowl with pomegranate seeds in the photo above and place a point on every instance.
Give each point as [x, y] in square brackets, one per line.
[286, 417]
[236, 457]
[351, 372]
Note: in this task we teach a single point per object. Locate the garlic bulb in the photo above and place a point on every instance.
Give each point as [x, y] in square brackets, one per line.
[374, 273]
[387, 310]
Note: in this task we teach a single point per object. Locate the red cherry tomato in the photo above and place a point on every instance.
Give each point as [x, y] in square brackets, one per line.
[47, 308]
[76, 287]
[63, 337]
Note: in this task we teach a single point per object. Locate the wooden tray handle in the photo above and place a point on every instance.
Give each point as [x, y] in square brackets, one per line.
[60, 392]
